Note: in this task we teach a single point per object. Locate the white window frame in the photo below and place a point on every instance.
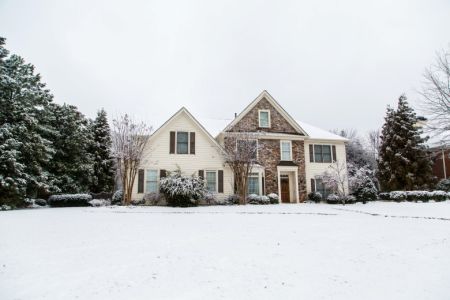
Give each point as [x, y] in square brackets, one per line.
[157, 180]
[188, 142]
[290, 150]
[257, 146]
[217, 180]
[259, 177]
[259, 118]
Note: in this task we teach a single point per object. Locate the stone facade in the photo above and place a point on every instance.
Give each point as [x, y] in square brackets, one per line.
[269, 155]
[250, 122]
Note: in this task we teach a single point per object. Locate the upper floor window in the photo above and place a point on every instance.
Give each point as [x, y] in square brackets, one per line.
[286, 150]
[264, 118]
[211, 181]
[182, 142]
[322, 153]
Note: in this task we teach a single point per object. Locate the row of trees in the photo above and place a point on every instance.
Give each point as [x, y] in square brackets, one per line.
[46, 147]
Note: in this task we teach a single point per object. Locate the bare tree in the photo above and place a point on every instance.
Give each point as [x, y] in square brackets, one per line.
[129, 140]
[373, 138]
[336, 178]
[240, 153]
[436, 95]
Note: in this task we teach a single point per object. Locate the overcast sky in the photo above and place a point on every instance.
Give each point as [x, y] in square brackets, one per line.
[334, 64]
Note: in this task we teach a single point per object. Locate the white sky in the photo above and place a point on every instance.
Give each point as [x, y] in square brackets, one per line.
[334, 64]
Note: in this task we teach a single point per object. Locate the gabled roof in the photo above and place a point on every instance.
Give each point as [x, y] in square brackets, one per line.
[275, 104]
[320, 134]
[185, 111]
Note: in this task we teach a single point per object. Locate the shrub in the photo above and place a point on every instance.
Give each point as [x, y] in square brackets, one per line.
[349, 199]
[209, 198]
[398, 196]
[138, 201]
[315, 196]
[438, 196]
[69, 200]
[5, 207]
[443, 185]
[99, 202]
[365, 190]
[153, 198]
[117, 197]
[232, 199]
[40, 202]
[180, 190]
[102, 195]
[384, 196]
[256, 199]
[273, 198]
[333, 199]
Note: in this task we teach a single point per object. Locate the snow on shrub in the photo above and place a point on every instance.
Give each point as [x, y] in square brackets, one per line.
[69, 200]
[40, 202]
[333, 199]
[153, 198]
[138, 201]
[315, 196]
[99, 202]
[5, 207]
[438, 195]
[232, 199]
[180, 190]
[398, 196]
[256, 199]
[117, 197]
[273, 198]
[443, 185]
[384, 196]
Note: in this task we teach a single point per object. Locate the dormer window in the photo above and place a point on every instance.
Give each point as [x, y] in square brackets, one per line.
[264, 118]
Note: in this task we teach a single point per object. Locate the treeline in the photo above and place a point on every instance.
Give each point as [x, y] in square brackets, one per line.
[45, 147]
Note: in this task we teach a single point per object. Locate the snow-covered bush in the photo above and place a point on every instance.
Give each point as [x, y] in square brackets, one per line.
[138, 201]
[99, 202]
[231, 200]
[180, 190]
[315, 196]
[5, 207]
[209, 199]
[438, 196]
[153, 198]
[398, 196]
[443, 185]
[256, 199]
[384, 196]
[69, 200]
[333, 199]
[40, 202]
[265, 200]
[117, 197]
[273, 198]
[362, 187]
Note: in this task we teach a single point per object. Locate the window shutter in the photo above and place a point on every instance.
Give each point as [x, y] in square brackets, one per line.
[334, 153]
[140, 181]
[311, 153]
[162, 173]
[220, 175]
[192, 145]
[313, 185]
[201, 174]
[263, 187]
[172, 142]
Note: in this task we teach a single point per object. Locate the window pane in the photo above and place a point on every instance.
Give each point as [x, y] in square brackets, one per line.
[253, 185]
[318, 153]
[326, 153]
[320, 187]
[263, 119]
[286, 151]
[151, 183]
[211, 181]
[182, 142]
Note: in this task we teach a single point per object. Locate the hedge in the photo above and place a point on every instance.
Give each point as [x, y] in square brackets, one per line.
[69, 200]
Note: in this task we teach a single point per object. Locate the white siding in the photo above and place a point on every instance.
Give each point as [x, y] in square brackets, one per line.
[316, 169]
[206, 157]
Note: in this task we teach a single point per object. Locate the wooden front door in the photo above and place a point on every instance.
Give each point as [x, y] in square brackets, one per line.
[285, 194]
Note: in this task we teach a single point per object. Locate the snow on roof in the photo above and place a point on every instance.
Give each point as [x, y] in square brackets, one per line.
[320, 134]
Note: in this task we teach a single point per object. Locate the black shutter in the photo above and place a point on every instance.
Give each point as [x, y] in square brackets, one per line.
[140, 181]
[334, 153]
[311, 153]
[192, 143]
[263, 186]
[162, 173]
[201, 174]
[220, 175]
[172, 142]
[313, 185]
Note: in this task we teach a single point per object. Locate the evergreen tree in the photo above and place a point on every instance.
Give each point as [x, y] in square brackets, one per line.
[103, 171]
[72, 164]
[403, 162]
[24, 149]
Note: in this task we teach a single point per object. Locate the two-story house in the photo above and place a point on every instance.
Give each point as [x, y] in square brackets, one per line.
[291, 155]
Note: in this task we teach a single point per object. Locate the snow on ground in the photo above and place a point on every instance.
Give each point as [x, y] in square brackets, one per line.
[309, 251]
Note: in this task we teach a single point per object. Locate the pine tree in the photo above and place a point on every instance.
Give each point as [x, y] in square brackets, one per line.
[103, 171]
[403, 162]
[72, 164]
[24, 149]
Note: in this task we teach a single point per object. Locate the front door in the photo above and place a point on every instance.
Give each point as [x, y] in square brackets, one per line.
[285, 194]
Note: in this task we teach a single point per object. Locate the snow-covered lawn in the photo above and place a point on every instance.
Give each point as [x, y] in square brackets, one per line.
[309, 251]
